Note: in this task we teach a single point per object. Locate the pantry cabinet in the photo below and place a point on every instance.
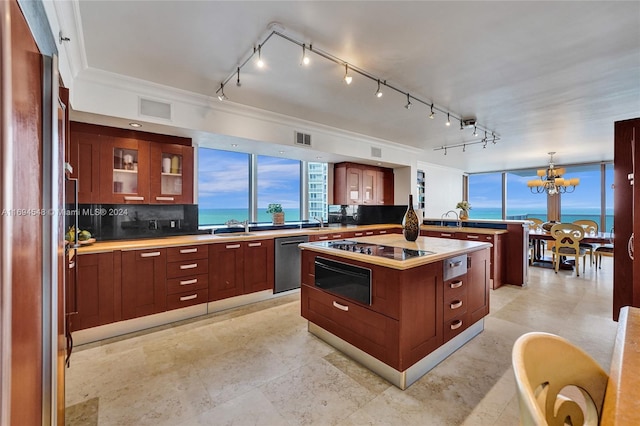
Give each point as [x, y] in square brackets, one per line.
[362, 184]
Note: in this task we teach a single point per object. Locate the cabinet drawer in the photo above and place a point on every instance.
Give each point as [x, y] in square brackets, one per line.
[455, 326]
[455, 286]
[188, 298]
[455, 305]
[479, 237]
[187, 268]
[370, 331]
[179, 254]
[188, 283]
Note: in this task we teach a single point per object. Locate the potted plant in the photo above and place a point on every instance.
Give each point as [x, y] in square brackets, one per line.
[277, 213]
[464, 207]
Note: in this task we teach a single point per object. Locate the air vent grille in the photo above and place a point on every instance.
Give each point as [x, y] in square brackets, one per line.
[376, 152]
[303, 139]
[155, 109]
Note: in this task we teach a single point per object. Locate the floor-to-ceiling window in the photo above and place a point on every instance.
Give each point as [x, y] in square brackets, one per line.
[278, 182]
[485, 195]
[584, 202]
[608, 194]
[521, 203]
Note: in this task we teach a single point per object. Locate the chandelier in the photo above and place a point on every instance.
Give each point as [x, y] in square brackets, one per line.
[551, 181]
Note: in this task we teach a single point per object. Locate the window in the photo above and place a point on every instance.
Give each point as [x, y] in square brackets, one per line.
[584, 201]
[485, 195]
[278, 182]
[223, 186]
[608, 197]
[521, 203]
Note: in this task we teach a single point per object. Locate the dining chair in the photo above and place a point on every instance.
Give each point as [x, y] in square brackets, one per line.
[557, 383]
[567, 238]
[604, 250]
[590, 227]
[536, 224]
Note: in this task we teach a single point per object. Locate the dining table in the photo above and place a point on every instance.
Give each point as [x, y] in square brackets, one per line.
[537, 236]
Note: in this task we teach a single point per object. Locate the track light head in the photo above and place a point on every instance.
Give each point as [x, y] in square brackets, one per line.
[432, 114]
[408, 105]
[461, 125]
[378, 92]
[221, 95]
[347, 78]
[260, 62]
[475, 131]
[448, 123]
[238, 80]
[305, 57]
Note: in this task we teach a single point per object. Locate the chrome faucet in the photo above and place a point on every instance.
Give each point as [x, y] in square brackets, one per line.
[246, 226]
[445, 215]
[319, 220]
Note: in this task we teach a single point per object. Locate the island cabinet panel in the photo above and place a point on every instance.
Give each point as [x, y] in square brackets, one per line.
[364, 328]
[421, 313]
[187, 276]
[226, 270]
[258, 265]
[144, 282]
[456, 306]
[478, 289]
[497, 262]
[94, 296]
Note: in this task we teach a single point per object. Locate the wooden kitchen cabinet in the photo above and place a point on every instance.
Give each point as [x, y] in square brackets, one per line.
[84, 158]
[241, 268]
[144, 281]
[93, 298]
[124, 171]
[187, 276]
[478, 265]
[171, 179]
[362, 184]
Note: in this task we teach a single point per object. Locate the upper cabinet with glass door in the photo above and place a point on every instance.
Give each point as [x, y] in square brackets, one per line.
[124, 171]
[171, 174]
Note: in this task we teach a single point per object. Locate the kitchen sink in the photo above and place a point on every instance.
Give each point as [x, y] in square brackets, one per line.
[234, 234]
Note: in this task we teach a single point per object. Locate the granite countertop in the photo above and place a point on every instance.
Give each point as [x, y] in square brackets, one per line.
[184, 240]
[488, 231]
[442, 248]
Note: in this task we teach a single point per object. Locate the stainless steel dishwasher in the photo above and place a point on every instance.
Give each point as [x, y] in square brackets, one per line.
[288, 263]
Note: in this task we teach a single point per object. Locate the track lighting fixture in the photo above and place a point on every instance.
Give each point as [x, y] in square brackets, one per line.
[350, 70]
[445, 150]
[305, 57]
[347, 78]
[221, 95]
[260, 62]
[378, 92]
[464, 148]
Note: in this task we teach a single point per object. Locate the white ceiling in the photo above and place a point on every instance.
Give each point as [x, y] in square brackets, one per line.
[545, 76]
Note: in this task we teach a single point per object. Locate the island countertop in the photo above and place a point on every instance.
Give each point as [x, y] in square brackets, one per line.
[442, 249]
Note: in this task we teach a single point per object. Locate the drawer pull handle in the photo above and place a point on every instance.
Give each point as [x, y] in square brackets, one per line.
[445, 235]
[455, 305]
[187, 282]
[341, 307]
[337, 235]
[185, 298]
[358, 234]
[165, 199]
[369, 233]
[473, 237]
[233, 246]
[151, 254]
[456, 284]
[189, 266]
[189, 250]
[382, 232]
[323, 238]
[132, 198]
[254, 244]
[456, 324]
[72, 265]
[455, 264]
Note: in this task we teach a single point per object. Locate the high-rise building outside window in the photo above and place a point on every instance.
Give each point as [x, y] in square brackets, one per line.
[317, 176]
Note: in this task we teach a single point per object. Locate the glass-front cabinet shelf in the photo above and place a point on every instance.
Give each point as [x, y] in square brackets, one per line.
[171, 174]
[124, 171]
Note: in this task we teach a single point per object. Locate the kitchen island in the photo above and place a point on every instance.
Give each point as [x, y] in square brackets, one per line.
[397, 307]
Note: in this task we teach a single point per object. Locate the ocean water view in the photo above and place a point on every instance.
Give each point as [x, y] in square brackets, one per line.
[208, 217]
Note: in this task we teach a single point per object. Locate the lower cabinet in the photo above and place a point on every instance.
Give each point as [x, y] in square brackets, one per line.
[240, 268]
[144, 281]
[187, 276]
[92, 298]
[478, 290]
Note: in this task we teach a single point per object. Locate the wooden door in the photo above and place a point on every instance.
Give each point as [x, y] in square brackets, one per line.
[225, 270]
[478, 284]
[124, 171]
[171, 179]
[84, 158]
[258, 266]
[144, 279]
[93, 296]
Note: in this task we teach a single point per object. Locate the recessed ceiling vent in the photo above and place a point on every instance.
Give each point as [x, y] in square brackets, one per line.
[303, 139]
[376, 152]
[155, 109]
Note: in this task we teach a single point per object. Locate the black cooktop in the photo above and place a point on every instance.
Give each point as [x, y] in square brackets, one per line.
[396, 253]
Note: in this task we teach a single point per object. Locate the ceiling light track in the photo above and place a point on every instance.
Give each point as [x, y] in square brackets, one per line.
[278, 30]
[484, 141]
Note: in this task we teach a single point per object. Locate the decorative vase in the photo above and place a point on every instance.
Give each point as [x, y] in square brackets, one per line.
[278, 218]
[410, 223]
[464, 214]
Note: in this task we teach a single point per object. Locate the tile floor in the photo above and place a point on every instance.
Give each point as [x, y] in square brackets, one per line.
[257, 365]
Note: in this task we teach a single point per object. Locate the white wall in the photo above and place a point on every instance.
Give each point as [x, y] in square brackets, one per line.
[443, 189]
